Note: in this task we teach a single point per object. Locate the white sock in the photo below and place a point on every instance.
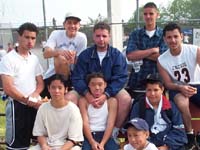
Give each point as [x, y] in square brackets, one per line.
[190, 132]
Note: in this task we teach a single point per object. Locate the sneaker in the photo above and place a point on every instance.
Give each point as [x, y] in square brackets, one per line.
[191, 145]
[198, 140]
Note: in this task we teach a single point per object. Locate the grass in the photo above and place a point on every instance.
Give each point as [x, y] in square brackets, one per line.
[2, 123]
[2, 118]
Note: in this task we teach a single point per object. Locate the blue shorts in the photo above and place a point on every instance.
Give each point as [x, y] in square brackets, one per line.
[194, 99]
[110, 145]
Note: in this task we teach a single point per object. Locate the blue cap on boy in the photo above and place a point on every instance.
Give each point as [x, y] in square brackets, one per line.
[138, 123]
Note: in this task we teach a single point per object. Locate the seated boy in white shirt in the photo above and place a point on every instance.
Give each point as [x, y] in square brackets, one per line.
[58, 123]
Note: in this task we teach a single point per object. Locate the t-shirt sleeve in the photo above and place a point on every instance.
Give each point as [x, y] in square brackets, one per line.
[51, 42]
[39, 128]
[6, 67]
[82, 43]
[76, 126]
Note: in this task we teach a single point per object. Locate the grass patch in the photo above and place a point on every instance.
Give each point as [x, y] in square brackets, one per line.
[2, 118]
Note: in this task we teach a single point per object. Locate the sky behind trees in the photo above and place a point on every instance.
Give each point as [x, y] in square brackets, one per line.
[19, 11]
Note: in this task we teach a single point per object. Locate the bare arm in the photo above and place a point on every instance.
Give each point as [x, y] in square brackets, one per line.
[167, 79]
[68, 54]
[186, 90]
[198, 55]
[39, 86]
[9, 89]
[151, 54]
[49, 52]
[36, 93]
[67, 146]
[154, 56]
[43, 143]
[112, 114]
[96, 102]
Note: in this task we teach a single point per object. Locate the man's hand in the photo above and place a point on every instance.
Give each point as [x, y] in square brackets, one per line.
[34, 104]
[100, 147]
[155, 50]
[70, 55]
[95, 145]
[164, 147]
[188, 90]
[154, 53]
[45, 147]
[34, 100]
[96, 102]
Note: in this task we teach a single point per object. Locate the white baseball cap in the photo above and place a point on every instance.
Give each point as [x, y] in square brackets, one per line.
[72, 15]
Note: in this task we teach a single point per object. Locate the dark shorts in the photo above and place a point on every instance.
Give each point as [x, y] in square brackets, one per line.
[194, 99]
[19, 125]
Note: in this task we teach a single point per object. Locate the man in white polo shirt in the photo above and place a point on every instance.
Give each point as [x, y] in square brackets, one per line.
[21, 75]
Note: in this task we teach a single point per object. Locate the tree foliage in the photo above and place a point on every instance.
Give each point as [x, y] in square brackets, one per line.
[177, 10]
[194, 9]
[98, 19]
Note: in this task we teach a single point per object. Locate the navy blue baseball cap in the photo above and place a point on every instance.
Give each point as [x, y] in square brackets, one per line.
[138, 123]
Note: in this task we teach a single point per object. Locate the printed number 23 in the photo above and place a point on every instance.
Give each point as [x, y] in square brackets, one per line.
[184, 72]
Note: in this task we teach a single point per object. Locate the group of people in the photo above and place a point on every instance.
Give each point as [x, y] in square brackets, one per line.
[88, 103]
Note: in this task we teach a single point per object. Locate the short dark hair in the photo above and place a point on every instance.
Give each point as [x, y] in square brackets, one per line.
[59, 77]
[154, 79]
[95, 75]
[150, 5]
[27, 26]
[170, 27]
[101, 25]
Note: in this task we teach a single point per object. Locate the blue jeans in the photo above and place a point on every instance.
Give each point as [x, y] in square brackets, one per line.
[110, 145]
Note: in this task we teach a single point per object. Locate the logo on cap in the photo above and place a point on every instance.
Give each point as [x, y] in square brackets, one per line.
[138, 123]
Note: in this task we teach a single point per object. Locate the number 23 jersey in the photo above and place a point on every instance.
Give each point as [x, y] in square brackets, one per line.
[182, 67]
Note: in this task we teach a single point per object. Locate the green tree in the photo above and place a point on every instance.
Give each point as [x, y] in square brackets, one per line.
[132, 22]
[176, 10]
[179, 10]
[194, 9]
[99, 18]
